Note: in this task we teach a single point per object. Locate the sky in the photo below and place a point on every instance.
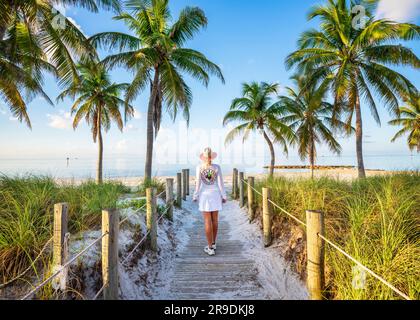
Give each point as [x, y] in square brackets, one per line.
[249, 40]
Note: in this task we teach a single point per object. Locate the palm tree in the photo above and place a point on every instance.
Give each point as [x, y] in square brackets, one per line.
[156, 54]
[32, 42]
[257, 111]
[98, 101]
[410, 120]
[310, 116]
[358, 61]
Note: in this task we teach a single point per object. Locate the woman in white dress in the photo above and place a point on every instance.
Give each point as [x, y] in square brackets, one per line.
[210, 194]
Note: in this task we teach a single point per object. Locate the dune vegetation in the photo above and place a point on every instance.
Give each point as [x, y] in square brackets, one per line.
[376, 220]
[26, 215]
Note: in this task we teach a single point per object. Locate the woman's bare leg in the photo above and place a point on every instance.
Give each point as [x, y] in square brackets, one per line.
[208, 227]
[215, 223]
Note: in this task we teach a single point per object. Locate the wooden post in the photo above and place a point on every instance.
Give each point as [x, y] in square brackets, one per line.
[188, 182]
[110, 226]
[179, 190]
[184, 184]
[170, 198]
[152, 218]
[60, 230]
[267, 216]
[241, 190]
[251, 199]
[59, 254]
[315, 253]
[235, 184]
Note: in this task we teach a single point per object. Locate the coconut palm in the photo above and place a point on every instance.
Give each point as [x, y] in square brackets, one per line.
[410, 120]
[257, 111]
[156, 54]
[98, 101]
[310, 116]
[35, 37]
[357, 60]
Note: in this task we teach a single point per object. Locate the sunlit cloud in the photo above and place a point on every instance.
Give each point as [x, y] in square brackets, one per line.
[137, 115]
[401, 10]
[62, 121]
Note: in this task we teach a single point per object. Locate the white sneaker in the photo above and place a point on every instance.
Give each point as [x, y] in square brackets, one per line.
[209, 251]
[213, 246]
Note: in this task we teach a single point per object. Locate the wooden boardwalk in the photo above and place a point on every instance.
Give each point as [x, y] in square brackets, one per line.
[228, 275]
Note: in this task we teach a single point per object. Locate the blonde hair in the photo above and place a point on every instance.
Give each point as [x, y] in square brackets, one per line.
[208, 161]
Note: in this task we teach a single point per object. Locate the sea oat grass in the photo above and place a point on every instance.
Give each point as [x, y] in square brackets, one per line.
[376, 220]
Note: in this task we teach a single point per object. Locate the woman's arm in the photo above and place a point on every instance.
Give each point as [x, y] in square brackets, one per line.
[221, 184]
[197, 184]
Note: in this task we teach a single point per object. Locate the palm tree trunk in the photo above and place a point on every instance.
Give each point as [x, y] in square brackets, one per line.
[312, 157]
[150, 129]
[99, 170]
[273, 156]
[359, 140]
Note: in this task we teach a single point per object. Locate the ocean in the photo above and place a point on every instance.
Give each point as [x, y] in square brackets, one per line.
[134, 167]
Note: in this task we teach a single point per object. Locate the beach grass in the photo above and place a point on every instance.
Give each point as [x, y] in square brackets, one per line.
[26, 215]
[376, 220]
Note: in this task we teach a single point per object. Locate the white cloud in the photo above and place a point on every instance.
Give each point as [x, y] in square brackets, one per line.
[63, 120]
[137, 115]
[401, 10]
[3, 109]
[130, 127]
[76, 25]
[121, 146]
[13, 119]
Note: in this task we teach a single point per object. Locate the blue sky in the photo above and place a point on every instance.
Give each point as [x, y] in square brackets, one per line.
[248, 39]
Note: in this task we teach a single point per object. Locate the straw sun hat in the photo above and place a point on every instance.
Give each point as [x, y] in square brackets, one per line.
[208, 153]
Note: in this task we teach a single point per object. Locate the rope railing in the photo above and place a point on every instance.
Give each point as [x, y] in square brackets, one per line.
[143, 239]
[32, 265]
[141, 208]
[63, 267]
[372, 273]
[58, 272]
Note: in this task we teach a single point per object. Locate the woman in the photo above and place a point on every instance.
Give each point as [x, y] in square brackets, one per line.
[210, 194]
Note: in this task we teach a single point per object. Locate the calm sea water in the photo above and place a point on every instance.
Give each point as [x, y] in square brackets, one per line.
[133, 167]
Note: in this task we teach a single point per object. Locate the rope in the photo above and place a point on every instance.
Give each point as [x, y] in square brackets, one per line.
[339, 249]
[128, 217]
[277, 206]
[37, 288]
[100, 291]
[373, 274]
[4, 285]
[143, 239]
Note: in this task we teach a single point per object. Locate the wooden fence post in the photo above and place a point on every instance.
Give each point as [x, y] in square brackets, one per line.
[241, 190]
[152, 218]
[170, 198]
[235, 184]
[188, 182]
[315, 253]
[110, 226]
[59, 254]
[184, 184]
[251, 199]
[267, 216]
[179, 190]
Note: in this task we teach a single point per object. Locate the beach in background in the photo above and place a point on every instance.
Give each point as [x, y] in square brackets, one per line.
[131, 167]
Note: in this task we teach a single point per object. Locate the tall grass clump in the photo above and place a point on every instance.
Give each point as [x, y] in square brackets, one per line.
[26, 215]
[376, 220]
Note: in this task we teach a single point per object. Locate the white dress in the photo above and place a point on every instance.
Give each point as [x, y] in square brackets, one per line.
[209, 188]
